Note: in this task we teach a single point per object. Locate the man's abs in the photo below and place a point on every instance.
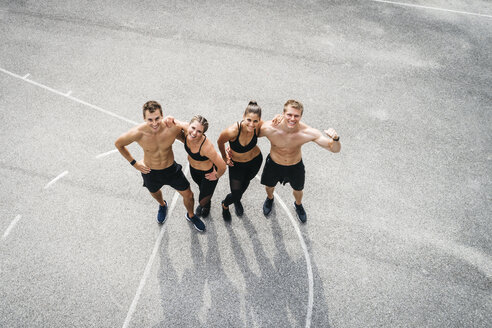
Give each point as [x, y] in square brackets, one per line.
[159, 160]
[286, 156]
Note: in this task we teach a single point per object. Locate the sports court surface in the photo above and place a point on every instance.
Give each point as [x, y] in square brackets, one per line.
[398, 232]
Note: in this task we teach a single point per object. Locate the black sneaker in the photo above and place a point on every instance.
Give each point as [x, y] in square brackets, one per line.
[267, 206]
[199, 225]
[226, 215]
[161, 214]
[198, 211]
[206, 210]
[301, 213]
[238, 207]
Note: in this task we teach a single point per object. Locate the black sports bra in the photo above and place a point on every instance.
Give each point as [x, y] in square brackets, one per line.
[196, 156]
[236, 145]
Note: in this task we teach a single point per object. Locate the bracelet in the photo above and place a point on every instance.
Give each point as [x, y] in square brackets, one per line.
[338, 138]
[133, 162]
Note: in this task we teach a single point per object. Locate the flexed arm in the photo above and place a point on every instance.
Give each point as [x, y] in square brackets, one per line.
[331, 141]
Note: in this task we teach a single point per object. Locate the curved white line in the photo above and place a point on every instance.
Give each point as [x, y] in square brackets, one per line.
[11, 226]
[469, 254]
[61, 175]
[309, 267]
[157, 245]
[432, 8]
[107, 153]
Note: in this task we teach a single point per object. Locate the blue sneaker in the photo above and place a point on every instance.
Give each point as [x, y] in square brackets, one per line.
[301, 213]
[161, 215]
[199, 225]
[267, 206]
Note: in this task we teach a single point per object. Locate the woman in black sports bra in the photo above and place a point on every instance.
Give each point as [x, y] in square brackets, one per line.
[244, 157]
[206, 166]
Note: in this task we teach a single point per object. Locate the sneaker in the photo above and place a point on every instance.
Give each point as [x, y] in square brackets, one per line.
[199, 225]
[226, 215]
[267, 206]
[206, 210]
[198, 211]
[238, 207]
[301, 213]
[161, 215]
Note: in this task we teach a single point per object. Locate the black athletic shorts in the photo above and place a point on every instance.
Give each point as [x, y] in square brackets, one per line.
[274, 173]
[206, 186]
[245, 171]
[172, 176]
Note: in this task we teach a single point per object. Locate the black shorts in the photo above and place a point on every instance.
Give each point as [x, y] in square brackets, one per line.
[205, 186]
[245, 171]
[172, 176]
[274, 173]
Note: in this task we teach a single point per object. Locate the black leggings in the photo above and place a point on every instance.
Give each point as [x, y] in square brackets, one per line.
[206, 186]
[239, 177]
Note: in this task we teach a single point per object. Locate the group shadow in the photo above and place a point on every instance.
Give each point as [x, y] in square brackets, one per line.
[205, 296]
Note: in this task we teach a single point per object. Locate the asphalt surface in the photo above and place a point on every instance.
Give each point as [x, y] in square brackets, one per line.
[398, 231]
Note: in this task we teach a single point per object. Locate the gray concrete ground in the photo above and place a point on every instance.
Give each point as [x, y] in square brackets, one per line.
[399, 231]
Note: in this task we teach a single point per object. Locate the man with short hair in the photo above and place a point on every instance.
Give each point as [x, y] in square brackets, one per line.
[158, 167]
[284, 163]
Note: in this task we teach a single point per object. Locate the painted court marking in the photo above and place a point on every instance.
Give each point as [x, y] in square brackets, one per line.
[432, 8]
[148, 267]
[309, 267]
[107, 153]
[11, 226]
[61, 175]
[67, 95]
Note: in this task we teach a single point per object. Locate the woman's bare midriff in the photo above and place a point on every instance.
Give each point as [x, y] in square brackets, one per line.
[245, 157]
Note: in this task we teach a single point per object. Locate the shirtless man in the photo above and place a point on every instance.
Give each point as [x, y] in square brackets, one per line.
[158, 167]
[284, 163]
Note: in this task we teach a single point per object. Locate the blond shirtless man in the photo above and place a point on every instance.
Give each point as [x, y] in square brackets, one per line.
[284, 163]
[158, 167]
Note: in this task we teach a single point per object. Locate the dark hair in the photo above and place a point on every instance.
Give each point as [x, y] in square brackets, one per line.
[253, 108]
[151, 106]
[202, 120]
[295, 104]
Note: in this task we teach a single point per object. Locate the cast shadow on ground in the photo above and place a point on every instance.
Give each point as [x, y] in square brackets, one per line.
[276, 296]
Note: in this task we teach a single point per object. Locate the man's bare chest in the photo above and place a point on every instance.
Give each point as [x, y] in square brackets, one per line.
[157, 142]
[286, 140]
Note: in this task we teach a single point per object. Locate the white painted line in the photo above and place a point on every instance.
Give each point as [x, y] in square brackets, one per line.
[61, 175]
[11, 226]
[157, 246]
[26, 76]
[432, 8]
[107, 153]
[308, 261]
[68, 93]
[309, 267]
[102, 110]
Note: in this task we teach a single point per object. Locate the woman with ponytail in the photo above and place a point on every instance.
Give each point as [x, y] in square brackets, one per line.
[243, 156]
